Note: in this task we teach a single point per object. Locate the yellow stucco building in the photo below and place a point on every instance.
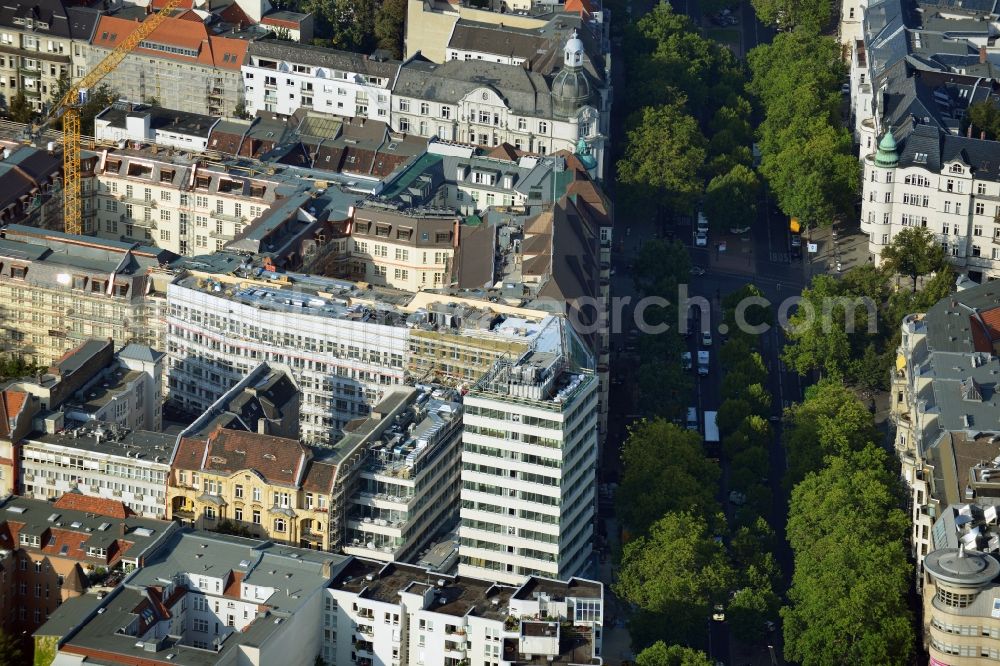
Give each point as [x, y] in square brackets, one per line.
[248, 483]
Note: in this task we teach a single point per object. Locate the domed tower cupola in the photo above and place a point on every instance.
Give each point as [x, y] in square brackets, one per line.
[573, 52]
[571, 87]
[887, 156]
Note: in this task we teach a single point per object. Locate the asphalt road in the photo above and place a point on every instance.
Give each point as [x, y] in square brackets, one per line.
[774, 272]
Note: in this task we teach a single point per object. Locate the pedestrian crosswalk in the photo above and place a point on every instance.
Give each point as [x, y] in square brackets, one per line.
[780, 258]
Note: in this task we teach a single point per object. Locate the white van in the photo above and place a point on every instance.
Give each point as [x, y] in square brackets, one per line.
[692, 418]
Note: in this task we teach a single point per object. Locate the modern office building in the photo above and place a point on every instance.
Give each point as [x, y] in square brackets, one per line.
[100, 460]
[529, 456]
[204, 599]
[397, 475]
[59, 289]
[392, 613]
[343, 357]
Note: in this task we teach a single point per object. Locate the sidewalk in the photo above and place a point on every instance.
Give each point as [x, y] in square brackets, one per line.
[617, 644]
[850, 248]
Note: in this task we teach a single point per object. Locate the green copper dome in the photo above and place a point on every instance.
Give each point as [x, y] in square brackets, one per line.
[583, 154]
[886, 155]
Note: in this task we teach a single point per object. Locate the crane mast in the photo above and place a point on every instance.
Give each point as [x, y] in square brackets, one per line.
[68, 108]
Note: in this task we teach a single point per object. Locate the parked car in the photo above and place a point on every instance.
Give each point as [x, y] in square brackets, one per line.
[701, 239]
[845, 89]
[796, 240]
[697, 270]
[686, 362]
[702, 222]
[719, 613]
[706, 338]
[739, 230]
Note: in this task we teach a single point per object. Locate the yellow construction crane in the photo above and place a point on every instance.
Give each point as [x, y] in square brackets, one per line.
[68, 108]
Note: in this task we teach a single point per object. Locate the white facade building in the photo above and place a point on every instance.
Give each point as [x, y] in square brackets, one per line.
[99, 460]
[343, 358]
[529, 470]
[129, 394]
[399, 614]
[946, 183]
[282, 76]
[487, 104]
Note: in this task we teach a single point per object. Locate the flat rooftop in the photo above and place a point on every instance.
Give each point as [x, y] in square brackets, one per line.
[109, 439]
[452, 595]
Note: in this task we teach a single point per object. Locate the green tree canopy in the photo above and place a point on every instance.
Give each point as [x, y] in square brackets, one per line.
[675, 573]
[19, 110]
[664, 469]
[731, 199]
[913, 253]
[830, 422]
[664, 154]
[660, 654]
[389, 22]
[848, 599]
[984, 117]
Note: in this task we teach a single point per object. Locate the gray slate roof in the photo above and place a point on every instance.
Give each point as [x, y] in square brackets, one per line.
[317, 56]
[526, 93]
[63, 21]
[137, 352]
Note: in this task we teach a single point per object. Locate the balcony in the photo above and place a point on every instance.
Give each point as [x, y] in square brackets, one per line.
[216, 92]
[221, 236]
[216, 215]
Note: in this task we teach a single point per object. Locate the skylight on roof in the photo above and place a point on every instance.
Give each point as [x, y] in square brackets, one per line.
[244, 563]
[76, 524]
[143, 532]
[16, 509]
[920, 158]
[103, 526]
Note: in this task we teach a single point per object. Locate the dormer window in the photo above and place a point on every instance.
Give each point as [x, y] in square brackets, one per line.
[956, 168]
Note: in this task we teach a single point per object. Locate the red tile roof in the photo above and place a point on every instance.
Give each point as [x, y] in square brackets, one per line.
[220, 52]
[102, 506]
[991, 318]
[278, 460]
[505, 151]
[281, 23]
[235, 14]
[11, 404]
[582, 7]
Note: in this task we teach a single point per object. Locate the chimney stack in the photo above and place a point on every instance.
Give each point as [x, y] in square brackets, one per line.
[982, 55]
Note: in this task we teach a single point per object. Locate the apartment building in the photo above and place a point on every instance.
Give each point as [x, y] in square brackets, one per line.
[100, 461]
[408, 249]
[379, 613]
[395, 485]
[183, 64]
[529, 456]
[960, 618]
[175, 203]
[946, 183]
[207, 598]
[51, 551]
[947, 422]
[282, 77]
[41, 44]
[60, 289]
[29, 180]
[488, 104]
[238, 481]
